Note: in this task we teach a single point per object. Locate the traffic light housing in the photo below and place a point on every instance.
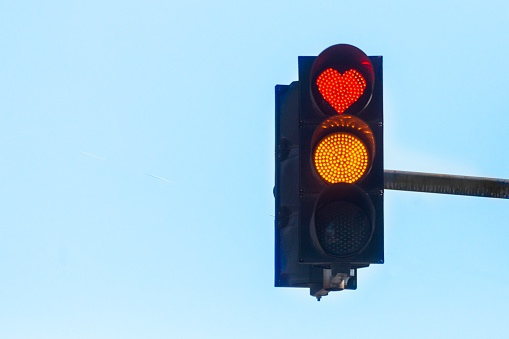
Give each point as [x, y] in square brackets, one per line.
[329, 171]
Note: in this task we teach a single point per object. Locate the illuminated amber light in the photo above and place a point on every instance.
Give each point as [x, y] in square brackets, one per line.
[341, 90]
[341, 157]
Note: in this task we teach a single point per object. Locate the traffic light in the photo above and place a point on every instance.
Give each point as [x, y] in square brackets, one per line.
[329, 171]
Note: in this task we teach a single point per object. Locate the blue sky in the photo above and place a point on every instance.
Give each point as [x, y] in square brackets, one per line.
[102, 99]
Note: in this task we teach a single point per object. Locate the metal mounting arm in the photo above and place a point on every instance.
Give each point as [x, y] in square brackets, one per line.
[446, 184]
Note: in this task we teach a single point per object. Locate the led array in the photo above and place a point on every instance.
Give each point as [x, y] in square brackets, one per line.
[341, 91]
[341, 157]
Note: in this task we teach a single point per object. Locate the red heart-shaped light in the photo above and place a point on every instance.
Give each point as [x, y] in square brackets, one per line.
[341, 90]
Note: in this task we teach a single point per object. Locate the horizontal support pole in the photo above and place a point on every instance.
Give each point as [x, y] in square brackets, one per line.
[446, 184]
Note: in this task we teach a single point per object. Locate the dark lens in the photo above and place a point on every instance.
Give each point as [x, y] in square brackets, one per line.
[342, 228]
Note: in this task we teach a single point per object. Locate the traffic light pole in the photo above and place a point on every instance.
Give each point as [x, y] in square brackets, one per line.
[446, 184]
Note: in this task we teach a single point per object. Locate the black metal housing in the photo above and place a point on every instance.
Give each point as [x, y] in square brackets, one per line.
[299, 189]
[311, 185]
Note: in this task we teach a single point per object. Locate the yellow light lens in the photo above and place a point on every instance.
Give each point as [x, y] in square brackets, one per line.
[341, 157]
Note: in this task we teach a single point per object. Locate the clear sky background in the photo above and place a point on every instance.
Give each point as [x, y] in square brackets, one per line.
[137, 152]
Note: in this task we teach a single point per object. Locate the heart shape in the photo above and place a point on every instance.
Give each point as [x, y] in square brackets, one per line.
[341, 90]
